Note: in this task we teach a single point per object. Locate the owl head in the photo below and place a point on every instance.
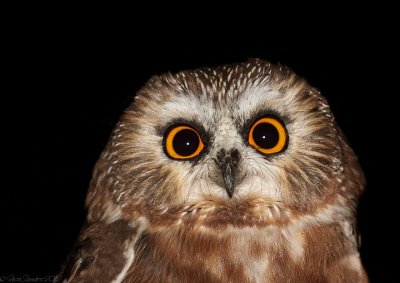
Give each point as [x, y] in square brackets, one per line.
[238, 144]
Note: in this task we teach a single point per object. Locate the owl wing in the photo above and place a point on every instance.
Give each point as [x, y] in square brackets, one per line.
[103, 253]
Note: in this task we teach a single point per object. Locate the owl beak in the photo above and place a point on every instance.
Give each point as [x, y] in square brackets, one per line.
[228, 174]
[227, 162]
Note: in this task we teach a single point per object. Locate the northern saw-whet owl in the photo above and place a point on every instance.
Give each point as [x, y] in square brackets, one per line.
[231, 174]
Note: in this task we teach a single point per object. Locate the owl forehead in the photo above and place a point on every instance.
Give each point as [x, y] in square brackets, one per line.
[223, 97]
[222, 85]
[233, 111]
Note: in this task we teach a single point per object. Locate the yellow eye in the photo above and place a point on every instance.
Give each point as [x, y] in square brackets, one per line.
[268, 135]
[182, 142]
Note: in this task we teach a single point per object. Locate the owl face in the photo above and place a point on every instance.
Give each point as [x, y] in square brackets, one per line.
[209, 141]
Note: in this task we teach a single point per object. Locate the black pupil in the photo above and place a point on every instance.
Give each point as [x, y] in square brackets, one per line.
[265, 135]
[186, 142]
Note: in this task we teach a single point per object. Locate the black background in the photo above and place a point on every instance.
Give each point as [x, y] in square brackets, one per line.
[69, 79]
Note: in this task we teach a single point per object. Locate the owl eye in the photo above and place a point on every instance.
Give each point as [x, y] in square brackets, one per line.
[268, 135]
[182, 142]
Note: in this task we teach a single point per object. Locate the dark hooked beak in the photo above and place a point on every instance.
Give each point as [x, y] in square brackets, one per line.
[228, 162]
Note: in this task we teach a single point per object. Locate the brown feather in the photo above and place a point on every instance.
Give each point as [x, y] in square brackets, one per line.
[290, 217]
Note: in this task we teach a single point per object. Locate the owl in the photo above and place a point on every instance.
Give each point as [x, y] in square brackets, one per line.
[237, 173]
